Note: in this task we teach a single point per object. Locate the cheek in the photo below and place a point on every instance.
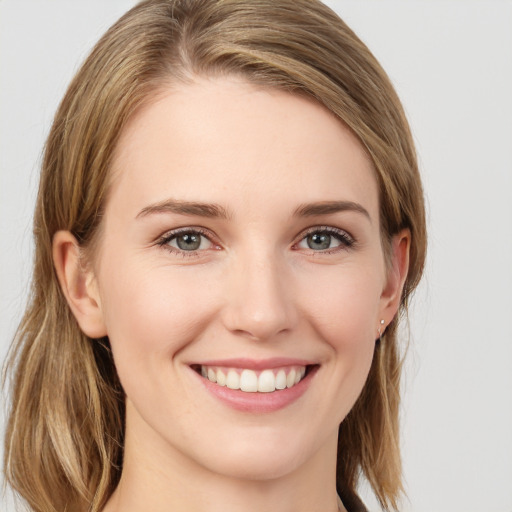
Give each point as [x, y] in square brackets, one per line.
[152, 315]
[344, 316]
[345, 306]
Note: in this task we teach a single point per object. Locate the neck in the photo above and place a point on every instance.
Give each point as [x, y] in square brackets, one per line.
[160, 478]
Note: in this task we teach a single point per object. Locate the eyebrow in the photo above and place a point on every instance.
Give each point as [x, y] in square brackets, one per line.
[213, 210]
[329, 207]
[194, 208]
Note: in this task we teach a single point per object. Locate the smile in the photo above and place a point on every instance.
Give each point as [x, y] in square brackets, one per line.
[252, 381]
[256, 386]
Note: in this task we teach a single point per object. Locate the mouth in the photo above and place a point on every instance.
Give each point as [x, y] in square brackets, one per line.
[247, 380]
[256, 385]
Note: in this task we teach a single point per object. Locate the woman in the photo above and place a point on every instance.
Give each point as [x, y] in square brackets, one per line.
[229, 224]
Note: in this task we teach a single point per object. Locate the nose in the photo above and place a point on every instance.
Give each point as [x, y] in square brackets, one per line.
[260, 302]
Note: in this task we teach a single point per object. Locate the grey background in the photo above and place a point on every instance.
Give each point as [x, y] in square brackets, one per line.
[451, 62]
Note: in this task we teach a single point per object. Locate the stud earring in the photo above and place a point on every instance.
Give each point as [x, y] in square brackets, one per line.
[379, 330]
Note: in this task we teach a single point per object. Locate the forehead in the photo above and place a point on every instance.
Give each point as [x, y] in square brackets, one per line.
[224, 139]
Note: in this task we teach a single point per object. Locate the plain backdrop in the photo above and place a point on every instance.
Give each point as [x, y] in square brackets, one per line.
[451, 62]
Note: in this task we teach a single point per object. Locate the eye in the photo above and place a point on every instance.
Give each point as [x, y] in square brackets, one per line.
[186, 241]
[325, 239]
[189, 241]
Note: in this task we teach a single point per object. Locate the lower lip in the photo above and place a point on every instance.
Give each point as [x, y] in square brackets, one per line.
[258, 402]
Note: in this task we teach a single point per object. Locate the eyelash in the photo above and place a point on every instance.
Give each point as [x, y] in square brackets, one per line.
[346, 240]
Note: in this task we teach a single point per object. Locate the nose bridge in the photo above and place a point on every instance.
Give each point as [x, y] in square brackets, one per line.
[260, 303]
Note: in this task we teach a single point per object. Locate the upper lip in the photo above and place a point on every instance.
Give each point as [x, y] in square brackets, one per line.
[255, 364]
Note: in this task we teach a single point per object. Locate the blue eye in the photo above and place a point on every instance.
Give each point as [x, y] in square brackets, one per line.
[325, 239]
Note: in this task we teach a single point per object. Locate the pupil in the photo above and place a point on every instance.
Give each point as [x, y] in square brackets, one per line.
[188, 242]
[319, 241]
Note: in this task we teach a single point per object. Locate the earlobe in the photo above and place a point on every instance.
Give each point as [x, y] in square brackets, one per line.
[396, 276]
[78, 285]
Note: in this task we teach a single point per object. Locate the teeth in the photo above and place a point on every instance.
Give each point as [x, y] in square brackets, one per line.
[210, 374]
[250, 381]
[221, 378]
[266, 381]
[233, 380]
[281, 379]
[290, 379]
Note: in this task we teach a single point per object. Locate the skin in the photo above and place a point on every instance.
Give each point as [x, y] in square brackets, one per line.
[253, 289]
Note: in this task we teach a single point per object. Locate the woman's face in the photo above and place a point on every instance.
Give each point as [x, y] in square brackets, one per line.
[240, 245]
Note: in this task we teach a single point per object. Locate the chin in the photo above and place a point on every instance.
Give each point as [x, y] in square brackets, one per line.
[257, 464]
[262, 456]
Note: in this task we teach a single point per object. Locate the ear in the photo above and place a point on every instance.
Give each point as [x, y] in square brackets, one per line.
[396, 275]
[78, 284]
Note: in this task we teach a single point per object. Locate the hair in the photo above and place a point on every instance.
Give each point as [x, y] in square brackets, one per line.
[64, 439]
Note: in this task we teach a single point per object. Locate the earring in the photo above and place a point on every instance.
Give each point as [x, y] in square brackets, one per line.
[379, 330]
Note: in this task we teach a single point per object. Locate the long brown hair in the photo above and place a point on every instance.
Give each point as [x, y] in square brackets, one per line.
[64, 441]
